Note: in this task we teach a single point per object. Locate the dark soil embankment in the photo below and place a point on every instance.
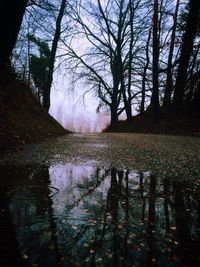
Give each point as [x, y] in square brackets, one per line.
[22, 119]
[184, 123]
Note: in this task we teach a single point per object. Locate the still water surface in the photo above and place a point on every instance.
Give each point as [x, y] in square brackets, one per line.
[81, 215]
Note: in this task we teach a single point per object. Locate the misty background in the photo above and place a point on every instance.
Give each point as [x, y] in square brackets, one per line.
[75, 108]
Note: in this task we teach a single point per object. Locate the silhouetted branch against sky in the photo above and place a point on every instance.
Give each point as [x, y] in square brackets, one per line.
[102, 49]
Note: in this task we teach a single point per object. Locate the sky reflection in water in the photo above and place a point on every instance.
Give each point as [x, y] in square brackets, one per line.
[70, 215]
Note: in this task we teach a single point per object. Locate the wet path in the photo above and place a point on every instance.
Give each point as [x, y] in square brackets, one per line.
[102, 200]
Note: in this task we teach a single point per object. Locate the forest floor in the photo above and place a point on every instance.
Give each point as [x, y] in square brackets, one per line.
[185, 123]
[22, 119]
[165, 154]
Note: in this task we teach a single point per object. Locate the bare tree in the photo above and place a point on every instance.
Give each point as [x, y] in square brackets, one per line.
[168, 87]
[186, 50]
[47, 90]
[38, 21]
[144, 78]
[111, 31]
[155, 93]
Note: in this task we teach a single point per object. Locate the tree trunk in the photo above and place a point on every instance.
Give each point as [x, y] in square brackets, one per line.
[168, 88]
[155, 94]
[192, 77]
[11, 15]
[145, 73]
[129, 100]
[114, 116]
[127, 103]
[186, 50]
[47, 91]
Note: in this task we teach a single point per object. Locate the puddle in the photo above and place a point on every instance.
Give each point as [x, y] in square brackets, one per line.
[81, 215]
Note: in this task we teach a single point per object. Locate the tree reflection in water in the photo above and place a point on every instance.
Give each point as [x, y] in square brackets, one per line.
[84, 216]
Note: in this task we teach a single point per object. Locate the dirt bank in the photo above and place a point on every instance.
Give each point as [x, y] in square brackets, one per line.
[186, 123]
[22, 118]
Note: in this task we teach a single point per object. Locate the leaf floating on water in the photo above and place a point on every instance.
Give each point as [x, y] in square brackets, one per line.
[136, 247]
[87, 260]
[132, 235]
[99, 260]
[110, 255]
[173, 227]
[25, 256]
